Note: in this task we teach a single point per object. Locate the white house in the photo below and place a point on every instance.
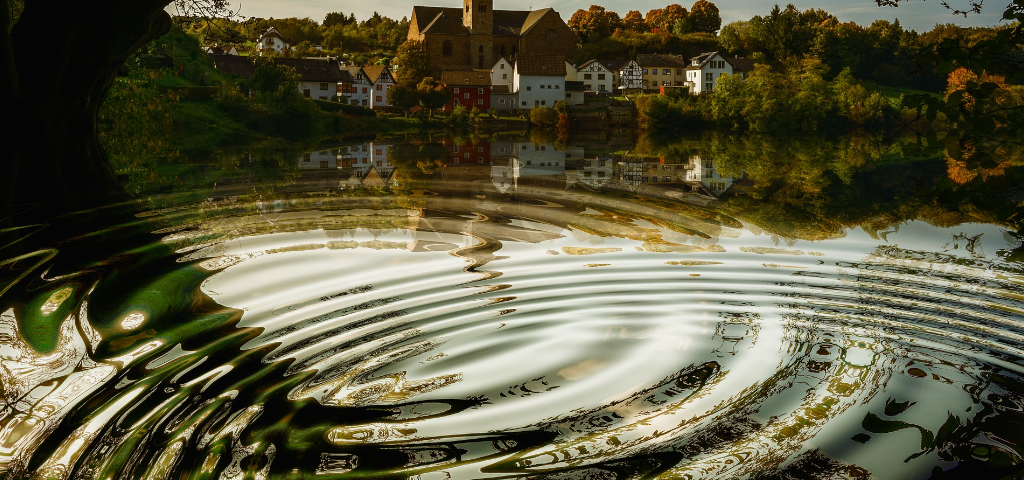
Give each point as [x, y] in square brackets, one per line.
[539, 80]
[318, 79]
[705, 69]
[596, 77]
[272, 40]
[355, 86]
[501, 74]
[631, 77]
[382, 80]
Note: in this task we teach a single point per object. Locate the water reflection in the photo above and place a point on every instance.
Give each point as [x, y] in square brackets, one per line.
[504, 308]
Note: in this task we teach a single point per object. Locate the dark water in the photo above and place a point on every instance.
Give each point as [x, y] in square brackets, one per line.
[566, 318]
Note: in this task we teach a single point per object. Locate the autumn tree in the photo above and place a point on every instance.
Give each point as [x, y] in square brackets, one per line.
[703, 17]
[633, 21]
[411, 62]
[664, 19]
[594, 23]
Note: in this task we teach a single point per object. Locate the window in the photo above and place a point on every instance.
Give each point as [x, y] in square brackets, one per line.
[456, 90]
[466, 155]
[502, 65]
[542, 87]
[666, 179]
[557, 87]
[479, 149]
[380, 87]
[645, 71]
[586, 87]
[379, 98]
[502, 101]
[665, 71]
[466, 96]
[306, 157]
[480, 91]
[679, 71]
[543, 102]
[587, 76]
[504, 76]
[654, 83]
[528, 88]
[480, 49]
[323, 86]
[600, 76]
[479, 101]
[524, 104]
[482, 8]
[479, 159]
[709, 76]
[323, 163]
[364, 89]
[446, 47]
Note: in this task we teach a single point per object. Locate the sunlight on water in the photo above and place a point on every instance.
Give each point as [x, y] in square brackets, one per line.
[570, 335]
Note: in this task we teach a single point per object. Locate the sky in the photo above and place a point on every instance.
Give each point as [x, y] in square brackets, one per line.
[920, 15]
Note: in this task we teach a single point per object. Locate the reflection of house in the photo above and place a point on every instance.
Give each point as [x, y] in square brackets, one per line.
[662, 70]
[382, 81]
[320, 160]
[219, 50]
[595, 171]
[469, 88]
[707, 67]
[504, 174]
[704, 172]
[476, 35]
[272, 40]
[318, 79]
[539, 80]
[478, 153]
[665, 172]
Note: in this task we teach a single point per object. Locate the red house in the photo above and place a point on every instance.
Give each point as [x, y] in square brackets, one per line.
[469, 88]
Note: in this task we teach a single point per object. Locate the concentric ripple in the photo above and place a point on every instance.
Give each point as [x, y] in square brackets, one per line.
[554, 335]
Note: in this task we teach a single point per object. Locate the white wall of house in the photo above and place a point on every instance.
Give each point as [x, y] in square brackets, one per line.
[536, 91]
[631, 76]
[501, 74]
[379, 94]
[703, 80]
[540, 159]
[318, 90]
[273, 43]
[705, 171]
[596, 78]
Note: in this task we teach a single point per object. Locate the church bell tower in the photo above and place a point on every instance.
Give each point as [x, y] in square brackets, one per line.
[478, 17]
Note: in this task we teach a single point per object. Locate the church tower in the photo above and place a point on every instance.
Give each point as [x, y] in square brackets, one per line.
[478, 17]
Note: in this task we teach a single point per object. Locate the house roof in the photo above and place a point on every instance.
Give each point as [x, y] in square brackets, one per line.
[541, 65]
[589, 62]
[355, 73]
[373, 72]
[614, 65]
[742, 64]
[476, 78]
[448, 21]
[502, 89]
[272, 32]
[658, 60]
[234, 65]
[311, 70]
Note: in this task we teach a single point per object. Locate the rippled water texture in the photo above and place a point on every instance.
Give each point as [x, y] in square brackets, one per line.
[553, 335]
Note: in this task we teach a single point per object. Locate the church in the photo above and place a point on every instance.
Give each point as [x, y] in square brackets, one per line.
[476, 36]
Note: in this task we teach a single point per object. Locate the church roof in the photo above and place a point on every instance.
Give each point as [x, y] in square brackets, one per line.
[448, 21]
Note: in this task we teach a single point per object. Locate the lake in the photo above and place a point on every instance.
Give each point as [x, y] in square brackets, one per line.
[515, 307]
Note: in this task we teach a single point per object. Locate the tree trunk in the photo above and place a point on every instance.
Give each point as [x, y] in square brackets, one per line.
[59, 62]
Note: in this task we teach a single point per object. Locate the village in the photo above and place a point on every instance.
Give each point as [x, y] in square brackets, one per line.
[492, 60]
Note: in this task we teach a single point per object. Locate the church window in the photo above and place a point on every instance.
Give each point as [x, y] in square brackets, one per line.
[481, 49]
[446, 48]
[482, 8]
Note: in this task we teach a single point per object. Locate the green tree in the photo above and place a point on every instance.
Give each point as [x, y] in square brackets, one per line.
[403, 95]
[432, 94]
[411, 63]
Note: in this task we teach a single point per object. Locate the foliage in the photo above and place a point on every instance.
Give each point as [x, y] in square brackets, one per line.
[703, 17]
[432, 94]
[543, 117]
[411, 62]
[595, 23]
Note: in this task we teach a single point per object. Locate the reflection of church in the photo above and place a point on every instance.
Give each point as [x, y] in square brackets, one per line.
[477, 36]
